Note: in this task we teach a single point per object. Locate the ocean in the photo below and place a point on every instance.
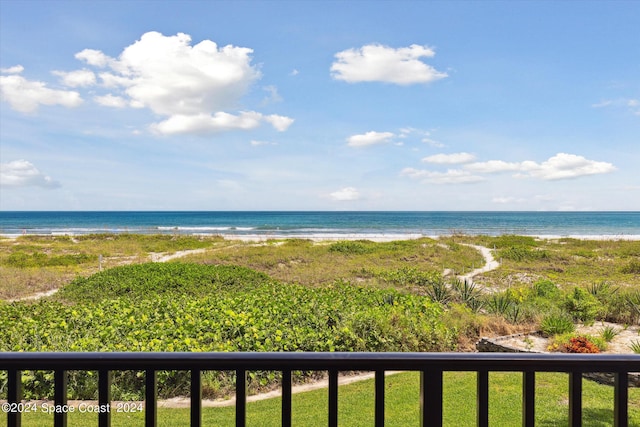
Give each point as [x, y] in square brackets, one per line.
[350, 224]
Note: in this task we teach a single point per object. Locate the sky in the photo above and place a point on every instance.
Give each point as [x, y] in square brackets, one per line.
[319, 105]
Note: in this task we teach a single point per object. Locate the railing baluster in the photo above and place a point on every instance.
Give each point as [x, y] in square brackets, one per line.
[528, 398]
[196, 398]
[60, 397]
[482, 399]
[150, 398]
[431, 398]
[575, 399]
[104, 397]
[333, 398]
[241, 398]
[286, 398]
[14, 395]
[621, 400]
[379, 421]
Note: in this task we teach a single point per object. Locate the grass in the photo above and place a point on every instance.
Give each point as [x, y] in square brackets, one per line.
[402, 405]
[572, 262]
[32, 264]
[566, 261]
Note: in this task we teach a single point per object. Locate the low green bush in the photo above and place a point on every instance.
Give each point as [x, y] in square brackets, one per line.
[582, 305]
[558, 323]
[351, 248]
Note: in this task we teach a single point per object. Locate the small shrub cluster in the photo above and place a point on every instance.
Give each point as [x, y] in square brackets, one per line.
[633, 267]
[351, 248]
[39, 259]
[555, 324]
[580, 345]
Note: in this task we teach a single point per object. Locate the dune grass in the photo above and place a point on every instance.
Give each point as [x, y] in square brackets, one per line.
[402, 405]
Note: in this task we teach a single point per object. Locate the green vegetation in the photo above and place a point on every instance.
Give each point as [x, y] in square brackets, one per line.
[557, 324]
[178, 307]
[297, 295]
[569, 262]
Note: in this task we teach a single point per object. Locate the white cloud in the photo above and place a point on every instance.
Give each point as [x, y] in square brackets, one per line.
[280, 123]
[26, 96]
[560, 166]
[632, 105]
[345, 194]
[454, 158]
[194, 87]
[111, 101]
[94, 57]
[171, 77]
[21, 173]
[563, 166]
[451, 176]
[272, 95]
[375, 62]
[493, 166]
[77, 78]
[17, 69]
[294, 72]
[433, 143]
[369, 138]
[218, 122]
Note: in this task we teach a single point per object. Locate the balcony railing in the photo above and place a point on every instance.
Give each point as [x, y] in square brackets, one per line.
[430, 365]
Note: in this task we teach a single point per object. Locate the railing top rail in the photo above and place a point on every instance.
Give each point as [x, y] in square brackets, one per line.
[324, 361]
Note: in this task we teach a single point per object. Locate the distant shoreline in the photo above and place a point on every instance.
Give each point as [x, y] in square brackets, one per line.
[375, 237]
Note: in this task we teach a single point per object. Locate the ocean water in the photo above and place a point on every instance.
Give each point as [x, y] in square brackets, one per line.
[326, 224]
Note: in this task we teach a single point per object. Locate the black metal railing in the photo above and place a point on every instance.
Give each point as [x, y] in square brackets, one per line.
[430, 365]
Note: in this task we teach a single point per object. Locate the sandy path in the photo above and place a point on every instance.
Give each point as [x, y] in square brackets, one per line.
[155, 257]
[162, 257]
[490, 263]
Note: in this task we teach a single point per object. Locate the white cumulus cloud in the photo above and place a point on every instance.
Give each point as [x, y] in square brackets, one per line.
[375, 62]
[94, 57]
[21, 173]
[16, 69]
[560, 166]
[77, 78]
[369, 138]
[218, 122]
[454, 158]
[27, 95]
[194, 86]
[563, 166]
[111, 101]
[345, 194]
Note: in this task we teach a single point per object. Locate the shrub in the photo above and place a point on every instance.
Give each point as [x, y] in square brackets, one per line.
[633, 267]
[608, 333]
[580, 345]
[635, 346]
[582, 305]
[350, 248]
[409, 276]
[524, 254]
[546, 289]
[555, 324]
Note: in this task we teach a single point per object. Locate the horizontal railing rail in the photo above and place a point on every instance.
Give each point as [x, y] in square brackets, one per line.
[430, 365]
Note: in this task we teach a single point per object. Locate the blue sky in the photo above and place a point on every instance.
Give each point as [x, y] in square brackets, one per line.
[283, 105]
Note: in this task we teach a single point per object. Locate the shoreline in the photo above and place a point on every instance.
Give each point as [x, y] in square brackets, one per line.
[374, 237]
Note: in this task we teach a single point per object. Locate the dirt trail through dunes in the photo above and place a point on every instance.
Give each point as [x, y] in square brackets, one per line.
[490, 263]
[155, 257]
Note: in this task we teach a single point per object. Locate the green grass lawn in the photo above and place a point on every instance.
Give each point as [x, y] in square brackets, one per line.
[402, 408]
